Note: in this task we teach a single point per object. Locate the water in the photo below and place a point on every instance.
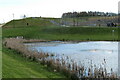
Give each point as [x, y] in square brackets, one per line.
[84, 52]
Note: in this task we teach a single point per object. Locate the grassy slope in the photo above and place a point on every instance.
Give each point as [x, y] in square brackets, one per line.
[0, 64]
[15, 66]
[41, 28]
[82, 33]
[31, 22]
[0, 53]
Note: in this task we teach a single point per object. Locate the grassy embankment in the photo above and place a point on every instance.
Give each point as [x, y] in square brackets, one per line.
[16, 66]
[43, 29]
[0, 52]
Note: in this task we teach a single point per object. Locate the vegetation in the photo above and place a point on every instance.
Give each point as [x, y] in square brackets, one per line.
[37, 29]
[85, 14]
[16, 66]
[42, 28]
[0, 53]
[0, 64]
[67, 66]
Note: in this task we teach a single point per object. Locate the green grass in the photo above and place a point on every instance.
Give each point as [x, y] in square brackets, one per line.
[62, 33]
[0, 53]
[16, 66]
[31, 22]
[41, 28]
[0, 64]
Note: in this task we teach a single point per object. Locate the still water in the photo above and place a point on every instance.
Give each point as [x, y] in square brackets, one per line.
[85, 52]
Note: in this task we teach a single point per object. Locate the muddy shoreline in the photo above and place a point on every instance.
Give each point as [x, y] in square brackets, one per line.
[60, 41]
[70, 41]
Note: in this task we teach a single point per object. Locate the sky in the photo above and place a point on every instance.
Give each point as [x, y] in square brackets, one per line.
[52, 8]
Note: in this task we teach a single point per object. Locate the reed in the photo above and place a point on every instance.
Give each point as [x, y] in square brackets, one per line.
[63, 64]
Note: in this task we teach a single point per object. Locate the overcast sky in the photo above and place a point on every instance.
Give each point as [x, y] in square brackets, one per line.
[52, 8]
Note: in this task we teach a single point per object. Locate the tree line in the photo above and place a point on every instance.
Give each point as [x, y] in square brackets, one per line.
[85, 14]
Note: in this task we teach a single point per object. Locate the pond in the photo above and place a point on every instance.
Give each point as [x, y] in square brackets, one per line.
[86, 53]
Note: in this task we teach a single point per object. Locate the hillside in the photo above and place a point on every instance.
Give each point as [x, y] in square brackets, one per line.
[28, 22]
[80, 21]
[47, 29]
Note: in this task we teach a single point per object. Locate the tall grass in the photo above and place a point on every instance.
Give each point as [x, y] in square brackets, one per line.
[63, 64]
